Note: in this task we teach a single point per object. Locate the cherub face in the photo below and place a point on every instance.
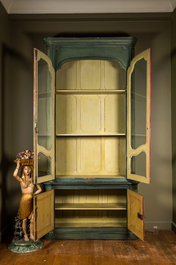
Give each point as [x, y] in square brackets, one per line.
[27, 170]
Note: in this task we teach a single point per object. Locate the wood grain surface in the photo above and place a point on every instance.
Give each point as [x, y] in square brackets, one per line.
[157, 249]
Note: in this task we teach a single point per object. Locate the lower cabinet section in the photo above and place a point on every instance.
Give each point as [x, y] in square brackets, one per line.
[90, 208]
[94, 213]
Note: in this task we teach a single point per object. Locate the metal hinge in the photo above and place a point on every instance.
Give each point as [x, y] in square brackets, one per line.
[36, 53]
[36, 128]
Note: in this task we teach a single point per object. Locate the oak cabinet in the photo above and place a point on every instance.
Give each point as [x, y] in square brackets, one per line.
[91, 137]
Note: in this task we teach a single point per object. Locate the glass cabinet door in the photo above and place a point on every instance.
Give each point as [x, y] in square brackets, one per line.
[138, 117]
[43, 127]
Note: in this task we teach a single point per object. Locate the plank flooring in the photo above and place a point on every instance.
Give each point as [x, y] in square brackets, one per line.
[159, 248]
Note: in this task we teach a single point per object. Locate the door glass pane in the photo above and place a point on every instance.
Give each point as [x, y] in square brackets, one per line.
[44, 165]
[138, 164]
[44, 105]
[138, 104]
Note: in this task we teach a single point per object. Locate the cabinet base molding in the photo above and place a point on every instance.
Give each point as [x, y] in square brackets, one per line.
[85, 233]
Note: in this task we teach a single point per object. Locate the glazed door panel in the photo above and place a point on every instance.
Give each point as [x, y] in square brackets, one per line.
[43, 127]
[138, 118]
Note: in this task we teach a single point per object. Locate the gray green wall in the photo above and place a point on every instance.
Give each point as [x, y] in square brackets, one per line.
[28, 31]
[173, 97]
[5, 120]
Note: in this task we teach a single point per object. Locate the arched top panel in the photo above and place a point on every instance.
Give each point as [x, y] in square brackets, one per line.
[91, 75]
[91, 58]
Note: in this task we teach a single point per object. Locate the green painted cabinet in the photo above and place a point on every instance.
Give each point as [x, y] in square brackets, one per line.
[92, 135]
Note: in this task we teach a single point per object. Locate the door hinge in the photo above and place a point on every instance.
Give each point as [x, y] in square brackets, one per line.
[140, 216]
[36, 128]
[36, 53]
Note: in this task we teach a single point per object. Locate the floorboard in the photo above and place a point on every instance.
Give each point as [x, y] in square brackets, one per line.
[157, 249]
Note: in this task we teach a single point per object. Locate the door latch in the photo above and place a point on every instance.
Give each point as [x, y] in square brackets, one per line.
[140, 216]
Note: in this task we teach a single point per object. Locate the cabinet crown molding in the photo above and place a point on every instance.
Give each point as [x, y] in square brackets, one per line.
[87, 6]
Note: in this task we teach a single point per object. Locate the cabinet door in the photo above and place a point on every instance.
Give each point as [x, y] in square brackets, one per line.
[43, 127]
[135, 205]
[138, 117]
[43, 213]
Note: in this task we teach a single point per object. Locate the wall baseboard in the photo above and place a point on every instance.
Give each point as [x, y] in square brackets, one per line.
[158, 225]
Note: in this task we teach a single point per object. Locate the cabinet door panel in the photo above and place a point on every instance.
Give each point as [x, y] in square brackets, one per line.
[43, 127]
[138, 118]
[43, 214]
[135, 203]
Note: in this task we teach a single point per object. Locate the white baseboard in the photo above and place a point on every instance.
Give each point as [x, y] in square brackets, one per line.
[158, 225]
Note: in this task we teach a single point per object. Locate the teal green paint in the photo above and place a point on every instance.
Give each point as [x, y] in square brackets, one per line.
[119, 49]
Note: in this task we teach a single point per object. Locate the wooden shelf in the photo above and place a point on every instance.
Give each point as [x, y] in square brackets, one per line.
[97, 92]
[90, 206]
[87, 135]
[90, 222]
[91, 176]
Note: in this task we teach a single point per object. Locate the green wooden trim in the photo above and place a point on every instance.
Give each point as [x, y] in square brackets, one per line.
[99, 183]
[85, 233]
[62, 50]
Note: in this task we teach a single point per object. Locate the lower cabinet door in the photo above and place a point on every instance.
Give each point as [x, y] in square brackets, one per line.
[43, 213]
[135, 213]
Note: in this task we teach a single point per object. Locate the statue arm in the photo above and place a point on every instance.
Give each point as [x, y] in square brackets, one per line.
[38, 189]
[15, 173]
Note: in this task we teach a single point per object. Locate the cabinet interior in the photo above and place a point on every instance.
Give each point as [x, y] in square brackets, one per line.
[90, 208]
[90, 119]
[90, 141]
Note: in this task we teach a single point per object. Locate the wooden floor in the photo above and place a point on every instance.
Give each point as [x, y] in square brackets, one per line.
[159, 248]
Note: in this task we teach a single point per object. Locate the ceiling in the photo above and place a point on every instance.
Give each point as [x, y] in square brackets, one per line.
[87, 6]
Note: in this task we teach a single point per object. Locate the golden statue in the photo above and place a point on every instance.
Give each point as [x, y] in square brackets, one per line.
[27, 188]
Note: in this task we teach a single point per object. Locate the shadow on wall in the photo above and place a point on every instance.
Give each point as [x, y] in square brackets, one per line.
[7, 157]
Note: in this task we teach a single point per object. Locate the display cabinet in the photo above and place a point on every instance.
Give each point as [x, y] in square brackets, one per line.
[91, 138]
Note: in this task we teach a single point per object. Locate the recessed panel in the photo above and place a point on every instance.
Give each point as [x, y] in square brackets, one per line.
[90, 74]
[66, 77]
[44, 211]
[115, 113]
[135, 213]
[66, 158]
[115, 76]
[112, 154]
[66, 113]
[90, 113]
[90, 155]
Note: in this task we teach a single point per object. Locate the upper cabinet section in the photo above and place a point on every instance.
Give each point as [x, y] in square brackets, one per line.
[91, 98]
